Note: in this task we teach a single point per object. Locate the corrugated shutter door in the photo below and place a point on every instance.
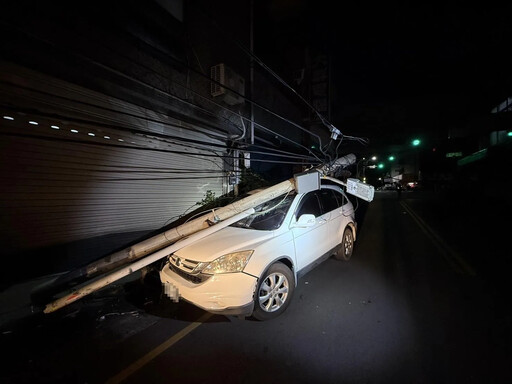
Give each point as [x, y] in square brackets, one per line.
[56, 191]
[63, 181]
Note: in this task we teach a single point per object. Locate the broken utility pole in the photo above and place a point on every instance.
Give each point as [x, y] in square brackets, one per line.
[156, 245]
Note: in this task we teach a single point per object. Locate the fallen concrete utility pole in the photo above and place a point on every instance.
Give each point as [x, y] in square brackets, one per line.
[330, 168]
[125, 271]
[157, 247]
[163, 239]
[172, 235]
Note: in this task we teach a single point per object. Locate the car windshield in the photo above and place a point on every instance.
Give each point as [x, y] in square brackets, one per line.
[268, 216]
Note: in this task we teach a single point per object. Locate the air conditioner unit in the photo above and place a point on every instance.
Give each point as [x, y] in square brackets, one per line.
[223, 75]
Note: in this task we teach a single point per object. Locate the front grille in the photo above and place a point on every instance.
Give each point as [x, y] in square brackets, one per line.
[183, 264]
[184, 268]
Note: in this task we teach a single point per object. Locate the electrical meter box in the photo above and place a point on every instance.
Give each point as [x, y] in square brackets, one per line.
[307, 181]
[362, 190]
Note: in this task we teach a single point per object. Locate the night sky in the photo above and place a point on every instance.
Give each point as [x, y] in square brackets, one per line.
[398, 68]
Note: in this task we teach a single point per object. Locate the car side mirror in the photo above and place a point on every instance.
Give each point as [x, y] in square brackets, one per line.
[305, 221]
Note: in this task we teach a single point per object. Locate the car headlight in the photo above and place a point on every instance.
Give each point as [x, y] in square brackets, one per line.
[232, 262]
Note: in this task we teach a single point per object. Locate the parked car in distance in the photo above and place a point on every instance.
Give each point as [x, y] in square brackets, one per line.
[251, 267]
[387, 187]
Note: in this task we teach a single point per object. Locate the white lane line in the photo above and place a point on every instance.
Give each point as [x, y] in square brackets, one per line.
[456, 262]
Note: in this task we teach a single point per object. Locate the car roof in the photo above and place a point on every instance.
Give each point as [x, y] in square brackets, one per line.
[330, 182]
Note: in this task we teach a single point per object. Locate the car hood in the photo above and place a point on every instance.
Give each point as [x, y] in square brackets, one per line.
[227, 240]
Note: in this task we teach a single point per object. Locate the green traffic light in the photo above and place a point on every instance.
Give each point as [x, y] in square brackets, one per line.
[391, 158]
[381, 165]
[416, 142]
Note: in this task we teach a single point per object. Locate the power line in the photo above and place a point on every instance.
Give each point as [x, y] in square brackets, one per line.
[173, 96]
[174, 140]
[229, 89]
[94, 62]
[280, 80]
[139, 148]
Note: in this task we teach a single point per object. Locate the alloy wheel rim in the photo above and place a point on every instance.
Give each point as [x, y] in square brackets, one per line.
[348, 244]
[273, 292]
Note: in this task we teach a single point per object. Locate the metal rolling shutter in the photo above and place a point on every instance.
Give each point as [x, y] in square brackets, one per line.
[59, 186]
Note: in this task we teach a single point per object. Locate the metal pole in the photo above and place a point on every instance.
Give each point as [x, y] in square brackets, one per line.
[125, 271]
[157, 242]
[251, 79]
[166, 238]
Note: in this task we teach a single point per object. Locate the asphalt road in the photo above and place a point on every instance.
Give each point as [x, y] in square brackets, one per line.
[419, 302]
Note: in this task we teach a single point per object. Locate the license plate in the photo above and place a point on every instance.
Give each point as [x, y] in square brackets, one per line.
[172, 291]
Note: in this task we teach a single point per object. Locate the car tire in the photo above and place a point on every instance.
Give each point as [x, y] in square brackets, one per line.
[346, 247]
[274, 292]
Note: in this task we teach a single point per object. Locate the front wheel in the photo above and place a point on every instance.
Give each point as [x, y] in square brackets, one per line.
[274, 292]
[345, 248]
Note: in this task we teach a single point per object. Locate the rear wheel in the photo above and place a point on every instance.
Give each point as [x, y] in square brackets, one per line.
[274, 292]
[345, 248]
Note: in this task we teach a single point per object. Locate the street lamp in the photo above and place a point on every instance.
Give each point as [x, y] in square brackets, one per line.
[365, 165]
[416, 143]
[357, 167]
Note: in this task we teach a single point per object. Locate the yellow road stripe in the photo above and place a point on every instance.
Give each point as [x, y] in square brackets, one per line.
[157, 351]
[456, 262]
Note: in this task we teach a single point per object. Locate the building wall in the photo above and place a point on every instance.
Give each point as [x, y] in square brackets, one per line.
[143, 154]
[66, 179]
[140, 138]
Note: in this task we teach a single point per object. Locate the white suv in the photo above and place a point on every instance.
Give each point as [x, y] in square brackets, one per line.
[252, 266]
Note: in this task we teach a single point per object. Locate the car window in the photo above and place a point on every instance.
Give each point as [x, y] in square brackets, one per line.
[342, 199]
[328, 199]
[309, 205]
[269, 215]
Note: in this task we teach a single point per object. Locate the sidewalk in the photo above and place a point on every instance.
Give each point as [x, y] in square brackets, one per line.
[16, 303]
[18, 309]
[15, 297]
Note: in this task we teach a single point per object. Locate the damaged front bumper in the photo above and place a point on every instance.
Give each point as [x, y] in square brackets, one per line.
[225, 294]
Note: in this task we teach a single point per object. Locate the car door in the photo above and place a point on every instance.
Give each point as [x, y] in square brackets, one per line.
[341, 217]
[332, 205]
[311, 242]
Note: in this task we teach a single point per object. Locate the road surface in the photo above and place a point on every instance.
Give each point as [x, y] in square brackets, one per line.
[421, 301]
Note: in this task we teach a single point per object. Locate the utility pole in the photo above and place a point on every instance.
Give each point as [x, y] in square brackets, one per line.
[251, 69]
[159, 246]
